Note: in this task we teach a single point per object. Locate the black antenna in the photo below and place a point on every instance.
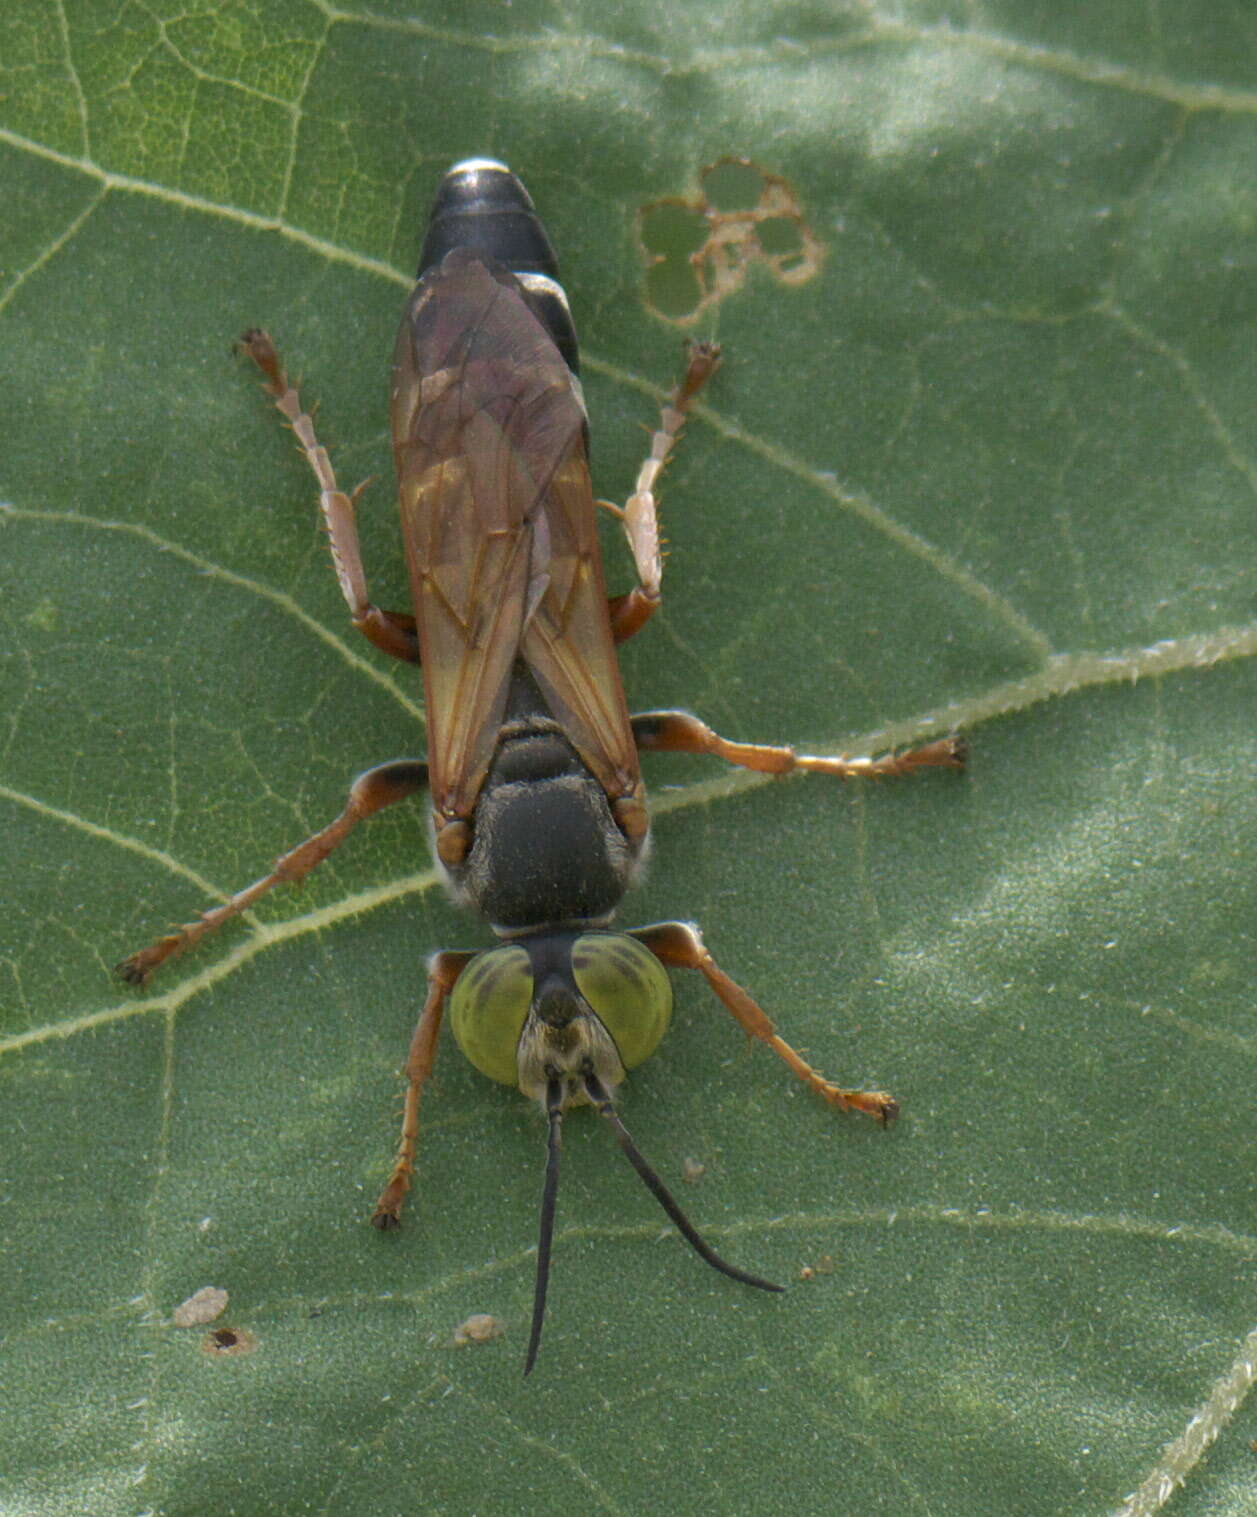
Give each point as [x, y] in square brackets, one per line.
[601, 1098]
[554, 1110]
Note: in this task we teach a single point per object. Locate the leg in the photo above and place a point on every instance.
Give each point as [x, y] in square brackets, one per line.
[679, 732]
[640, 517]
[443, 969]
[681, 946]
[370, 792]
[392, 631]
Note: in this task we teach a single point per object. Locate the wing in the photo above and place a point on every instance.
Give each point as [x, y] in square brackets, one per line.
[501, 540]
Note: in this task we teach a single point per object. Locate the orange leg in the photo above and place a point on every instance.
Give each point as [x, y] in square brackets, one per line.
[679, 732]
[370, 792]
[443, 969]
[681, 946]
[640, 515]
[630, 612]
[391, 631]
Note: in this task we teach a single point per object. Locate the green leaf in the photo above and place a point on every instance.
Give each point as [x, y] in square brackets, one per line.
[990, 465]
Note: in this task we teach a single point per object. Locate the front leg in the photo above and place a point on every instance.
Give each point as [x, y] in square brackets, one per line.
[444, 969]
[640, 516]
[681, 946]
[391, 631]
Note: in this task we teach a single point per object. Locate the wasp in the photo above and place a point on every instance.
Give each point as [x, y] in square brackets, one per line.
[538, 811]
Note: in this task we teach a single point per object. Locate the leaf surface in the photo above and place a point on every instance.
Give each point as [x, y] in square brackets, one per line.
[991, 466]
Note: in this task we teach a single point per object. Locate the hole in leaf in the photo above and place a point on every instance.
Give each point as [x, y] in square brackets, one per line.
[778, 236]
[673, 289]
[672, 229]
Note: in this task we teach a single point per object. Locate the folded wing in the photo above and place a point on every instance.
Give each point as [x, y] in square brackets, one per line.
[499, 522]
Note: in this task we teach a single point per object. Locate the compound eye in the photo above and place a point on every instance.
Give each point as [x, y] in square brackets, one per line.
[488, 1008]
[627, 987]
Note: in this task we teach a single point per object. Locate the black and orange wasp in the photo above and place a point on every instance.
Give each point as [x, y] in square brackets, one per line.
[538, 811]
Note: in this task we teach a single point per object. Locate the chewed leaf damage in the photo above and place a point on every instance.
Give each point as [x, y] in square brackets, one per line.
[698, 250]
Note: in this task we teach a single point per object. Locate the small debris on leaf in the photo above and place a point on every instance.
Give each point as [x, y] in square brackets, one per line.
[480, 1328]
[201, 1307]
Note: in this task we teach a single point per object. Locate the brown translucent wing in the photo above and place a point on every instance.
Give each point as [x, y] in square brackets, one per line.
[501, 541]
[567, 642]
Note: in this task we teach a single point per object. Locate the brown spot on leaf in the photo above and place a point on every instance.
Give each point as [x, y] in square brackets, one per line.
[228, 1342]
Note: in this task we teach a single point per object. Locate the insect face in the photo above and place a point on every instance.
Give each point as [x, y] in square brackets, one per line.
[559, 1006]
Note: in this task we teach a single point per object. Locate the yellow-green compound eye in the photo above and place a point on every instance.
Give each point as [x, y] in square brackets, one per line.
[627, 987]
[488, 1007]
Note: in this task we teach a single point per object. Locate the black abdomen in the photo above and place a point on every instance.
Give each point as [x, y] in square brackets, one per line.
[483, 206]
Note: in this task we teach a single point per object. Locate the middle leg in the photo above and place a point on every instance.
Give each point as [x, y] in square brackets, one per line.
[382, 786]
[679, 732]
